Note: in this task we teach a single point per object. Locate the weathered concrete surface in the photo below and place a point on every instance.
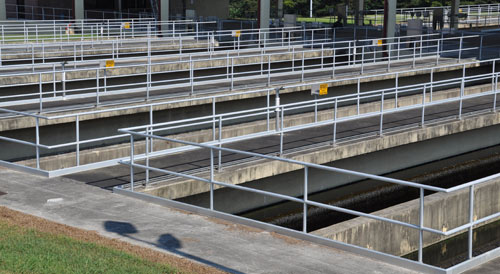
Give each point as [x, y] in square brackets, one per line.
[28, 122]
[106, 47]
[87, 70]
[88, 156]
[442, 211]
[262, 169]
[230, 247]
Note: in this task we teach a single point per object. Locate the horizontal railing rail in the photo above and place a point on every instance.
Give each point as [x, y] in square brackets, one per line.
[143, 163]
[329, 58]
[267, 113]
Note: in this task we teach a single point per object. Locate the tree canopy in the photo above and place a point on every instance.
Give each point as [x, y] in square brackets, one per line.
[248, 8]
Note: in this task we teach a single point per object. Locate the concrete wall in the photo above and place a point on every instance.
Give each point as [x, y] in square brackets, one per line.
[219, 8]
[442, 212]
[378, 162]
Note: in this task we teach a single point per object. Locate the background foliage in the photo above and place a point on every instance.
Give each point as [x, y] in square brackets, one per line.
[248, 8]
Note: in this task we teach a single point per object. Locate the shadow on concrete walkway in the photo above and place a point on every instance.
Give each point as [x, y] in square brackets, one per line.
[165, 241]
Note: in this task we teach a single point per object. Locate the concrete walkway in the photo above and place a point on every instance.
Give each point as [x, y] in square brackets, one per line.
[230, 247]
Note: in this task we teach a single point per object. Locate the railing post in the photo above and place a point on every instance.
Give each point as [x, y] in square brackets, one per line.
[211, 179]
[303, 65]
[437, 52]
[362, 59]
[335, 111]
[460, 49]
[421, 225]
[37, 132]
[462, 87]
[232, 73]
[481, 48]
[315, 108]
[77, 128]
[40, 87]
[381, 114]
[268, 70]
[423, 105]
[471, 220]
[132, 162]
[396, 85]
[191, 75]
[151, 148]
[306, 182]
[281, 130]
[495, 93]
[219, 166]
[97, 86]
[333, 61]
[358, 94]
[146, 141]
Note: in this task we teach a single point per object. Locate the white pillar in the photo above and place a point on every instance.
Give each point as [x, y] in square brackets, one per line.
[3, 10]
[265, 13]
[390, 18]
[79, 9]
[455, 5]
[164, 10]
[311, 8]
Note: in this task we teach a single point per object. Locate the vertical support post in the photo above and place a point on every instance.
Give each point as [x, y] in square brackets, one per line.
[97, 86]
[269, 110]
[396, 85]
[382, 114]
[471, 219]
[151, 148]
[315, 108]
[306, 182]
[421, 225]
[335, 110]
[146, 142]
[211, 179]
[481, 48]
[132, 162]
[460, 48]
[423, 105]
[495, 93]
[303, 65]
[220, 144]
[37, 133]
[359, 93]
[462, 92]
[77, 128]
[281, 130]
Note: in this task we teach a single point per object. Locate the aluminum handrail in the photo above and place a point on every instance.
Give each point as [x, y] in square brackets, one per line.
[283, 39]
[228, 74]
[270, 110]
[306, 166]
[291, 86]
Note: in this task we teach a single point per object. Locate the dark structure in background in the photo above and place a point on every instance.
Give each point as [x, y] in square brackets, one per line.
[113, 9]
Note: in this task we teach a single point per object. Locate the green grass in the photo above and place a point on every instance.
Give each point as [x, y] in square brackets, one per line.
[30, 251]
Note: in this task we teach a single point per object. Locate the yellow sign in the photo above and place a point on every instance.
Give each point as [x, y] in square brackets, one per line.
[380, 42]
[126, 25]
[323, 89]
[236, 33]
[460, 10]
[110, 63]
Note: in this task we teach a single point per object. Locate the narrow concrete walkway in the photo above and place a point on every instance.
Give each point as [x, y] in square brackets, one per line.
[233, 248]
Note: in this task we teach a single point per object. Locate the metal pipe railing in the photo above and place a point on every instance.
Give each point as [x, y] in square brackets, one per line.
[264, 70]
[268, 112]
[132, 163]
